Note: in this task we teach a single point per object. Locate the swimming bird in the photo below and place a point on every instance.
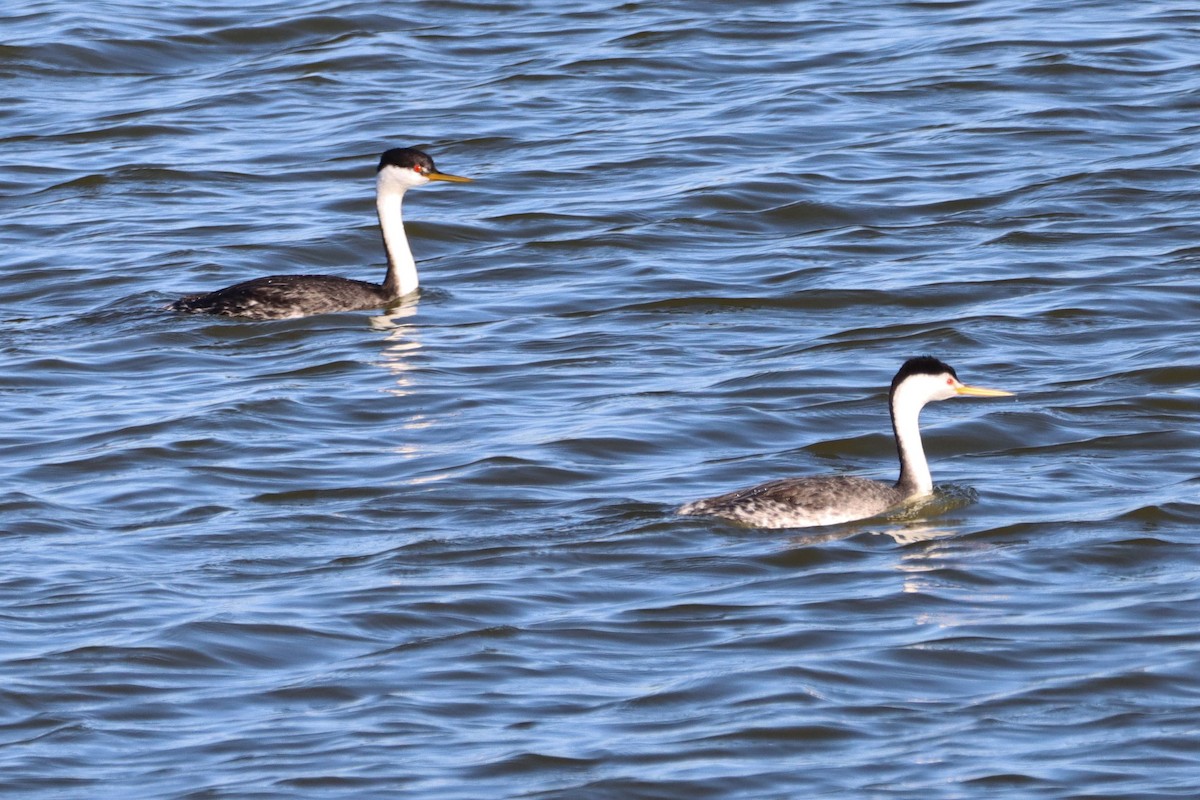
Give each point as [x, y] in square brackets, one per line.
[283, 296]
[830, 499]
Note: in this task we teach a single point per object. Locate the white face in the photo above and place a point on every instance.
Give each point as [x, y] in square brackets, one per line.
[399, 179]
[947, 386]
[921, 389]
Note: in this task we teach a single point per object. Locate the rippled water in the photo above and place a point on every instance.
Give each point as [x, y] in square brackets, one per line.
[433, 555]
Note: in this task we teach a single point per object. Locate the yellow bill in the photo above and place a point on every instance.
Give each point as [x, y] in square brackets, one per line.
[442, 176]
[979, 391]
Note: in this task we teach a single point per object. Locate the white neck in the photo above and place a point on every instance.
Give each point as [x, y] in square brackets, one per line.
[401, 277]
[907, 403]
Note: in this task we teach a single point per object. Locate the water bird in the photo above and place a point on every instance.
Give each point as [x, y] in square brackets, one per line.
[283, 296]
[830, 499]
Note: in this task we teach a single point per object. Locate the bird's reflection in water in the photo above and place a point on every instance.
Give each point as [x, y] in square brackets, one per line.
[398, 357]
[916, 520]
[928, 542]
[403, 342]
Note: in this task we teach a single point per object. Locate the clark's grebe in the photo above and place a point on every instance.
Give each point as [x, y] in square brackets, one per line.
[281, 296]
[830, 499]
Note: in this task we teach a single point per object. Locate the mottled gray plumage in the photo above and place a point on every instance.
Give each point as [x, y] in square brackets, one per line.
[801, 502]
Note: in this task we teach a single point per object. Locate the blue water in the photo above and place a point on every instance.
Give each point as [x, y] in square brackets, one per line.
[433, 553]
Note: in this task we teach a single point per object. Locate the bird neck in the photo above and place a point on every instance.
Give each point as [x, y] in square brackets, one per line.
[401, 276]
[914, 468]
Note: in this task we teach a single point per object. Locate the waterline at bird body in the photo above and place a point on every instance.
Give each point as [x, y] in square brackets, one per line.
[285, 296]
[832, 499]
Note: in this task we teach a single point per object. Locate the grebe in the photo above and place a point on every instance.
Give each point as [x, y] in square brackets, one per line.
[830, 499]
[282, 296]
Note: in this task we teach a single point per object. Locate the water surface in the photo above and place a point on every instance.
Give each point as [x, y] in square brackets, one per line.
[433, 554]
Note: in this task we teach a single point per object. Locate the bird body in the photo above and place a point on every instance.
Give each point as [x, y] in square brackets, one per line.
[831, 499]
[283, 296]
[801, 502]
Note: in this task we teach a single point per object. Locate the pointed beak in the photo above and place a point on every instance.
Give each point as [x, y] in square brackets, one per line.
[979, 391]
[441, 176]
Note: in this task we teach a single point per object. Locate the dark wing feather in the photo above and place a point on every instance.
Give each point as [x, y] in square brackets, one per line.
[282, 296]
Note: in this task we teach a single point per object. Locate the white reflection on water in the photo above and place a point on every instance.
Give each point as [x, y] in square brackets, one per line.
[908, 524]
[403, 342]
[397, 357]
